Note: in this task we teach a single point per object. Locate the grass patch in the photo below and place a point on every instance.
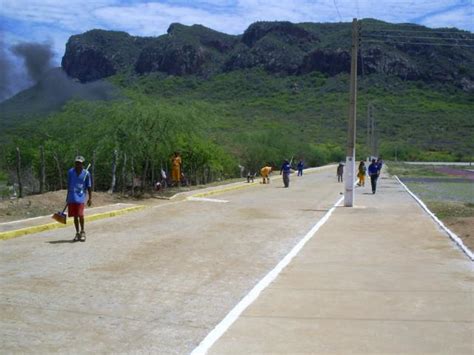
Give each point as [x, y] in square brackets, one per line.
[409, 170]
[451, 209]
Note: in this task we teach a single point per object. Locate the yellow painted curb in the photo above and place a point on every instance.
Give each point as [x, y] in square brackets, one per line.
[253, 184]
[49, 226]
[226, 189]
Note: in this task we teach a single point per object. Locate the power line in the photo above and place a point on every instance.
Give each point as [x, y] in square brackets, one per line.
[360, 49]
[337, 9]
[419, 43]
[454, 32]
[418, 37]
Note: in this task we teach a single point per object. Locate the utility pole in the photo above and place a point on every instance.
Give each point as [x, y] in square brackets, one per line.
[372, 137]
[351, 133]
[369, 125]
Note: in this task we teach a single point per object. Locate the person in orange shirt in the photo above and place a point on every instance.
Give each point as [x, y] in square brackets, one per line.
[265, 172]
[176, 169]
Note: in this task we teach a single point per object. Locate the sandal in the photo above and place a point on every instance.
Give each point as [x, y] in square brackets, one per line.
[82, 237]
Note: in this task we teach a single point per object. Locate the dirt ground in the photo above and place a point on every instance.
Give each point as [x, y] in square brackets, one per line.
[48, 203]
[463, 227]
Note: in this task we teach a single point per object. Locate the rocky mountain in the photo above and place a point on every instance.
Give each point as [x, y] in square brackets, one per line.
[408, 51]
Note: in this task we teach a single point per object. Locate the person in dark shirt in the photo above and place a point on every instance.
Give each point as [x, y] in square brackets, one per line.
[285, 171]
[340, 172]
[374, 172]
[300, 168]
[379, 164]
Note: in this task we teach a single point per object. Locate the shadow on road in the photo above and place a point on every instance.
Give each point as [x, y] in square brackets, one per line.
[61, 241]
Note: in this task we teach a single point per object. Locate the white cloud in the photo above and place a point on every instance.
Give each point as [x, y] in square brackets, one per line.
[71, 15]
[460, 18]
[154, 19]
[58, 19]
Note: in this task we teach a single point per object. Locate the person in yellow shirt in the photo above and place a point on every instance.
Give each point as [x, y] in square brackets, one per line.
[265, 172]
[176, 163]
[361, 174]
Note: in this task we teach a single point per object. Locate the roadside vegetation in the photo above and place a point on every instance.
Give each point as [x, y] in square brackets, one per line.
[449, 197]
[244, 117]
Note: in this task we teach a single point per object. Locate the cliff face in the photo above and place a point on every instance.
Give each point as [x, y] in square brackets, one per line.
[279, 47]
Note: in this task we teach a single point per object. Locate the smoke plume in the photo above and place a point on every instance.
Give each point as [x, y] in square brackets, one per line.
[37, 58]
[28, 65]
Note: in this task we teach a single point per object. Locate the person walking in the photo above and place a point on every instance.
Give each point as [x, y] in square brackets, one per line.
[265, 173]
[361, 173]
[176, 163]
[374, 175]
[300, 168]
[285, 171]
[78, 187]
[340, 172]
[379, 164]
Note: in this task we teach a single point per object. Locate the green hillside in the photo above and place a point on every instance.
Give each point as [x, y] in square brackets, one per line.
[246, 100]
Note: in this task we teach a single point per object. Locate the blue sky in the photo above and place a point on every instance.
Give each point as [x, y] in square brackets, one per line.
[53, 21]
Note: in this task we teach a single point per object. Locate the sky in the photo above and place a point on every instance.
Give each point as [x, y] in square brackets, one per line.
[52, 22]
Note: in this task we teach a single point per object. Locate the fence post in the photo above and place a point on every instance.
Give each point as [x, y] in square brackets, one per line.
[58, 167]
[42, 171]
[18, 172]
[114, 169]
[133, 177]
[124, 178]
[93, 170]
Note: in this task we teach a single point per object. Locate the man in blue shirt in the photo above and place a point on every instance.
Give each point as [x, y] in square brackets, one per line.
[78, 185]
[300, 168]
[374, 172]
[285, 170]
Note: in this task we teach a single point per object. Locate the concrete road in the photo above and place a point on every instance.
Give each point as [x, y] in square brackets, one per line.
[380, 278]
[154, 281]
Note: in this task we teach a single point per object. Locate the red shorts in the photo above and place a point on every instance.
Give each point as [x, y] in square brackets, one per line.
[75, 210]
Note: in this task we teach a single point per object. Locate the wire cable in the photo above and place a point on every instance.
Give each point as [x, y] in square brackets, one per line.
[418, 37]
[337, 9]
[454, 32]
[419, 43]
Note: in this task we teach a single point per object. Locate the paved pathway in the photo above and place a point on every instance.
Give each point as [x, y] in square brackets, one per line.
[159, 280]
[378, 278]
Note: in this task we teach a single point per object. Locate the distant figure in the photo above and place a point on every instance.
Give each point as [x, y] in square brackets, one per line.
[361, 174]
[176, 169]
[265, 172]
[78, 186]
[250, 177]
[374, 175]
[285, 171]
[379, 164]
[183, 180]
[164, 178]
[340, 172]
[242, 169]
[300, 168]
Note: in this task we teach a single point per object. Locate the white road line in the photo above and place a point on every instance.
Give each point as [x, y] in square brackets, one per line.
[234, 314]
[191, 198]
[452, 235]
